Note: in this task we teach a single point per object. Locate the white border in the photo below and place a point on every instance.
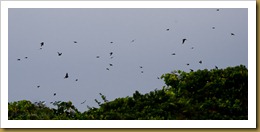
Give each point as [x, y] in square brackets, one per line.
[250, 123]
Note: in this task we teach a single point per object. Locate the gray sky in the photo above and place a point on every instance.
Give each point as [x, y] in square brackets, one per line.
[94, 29]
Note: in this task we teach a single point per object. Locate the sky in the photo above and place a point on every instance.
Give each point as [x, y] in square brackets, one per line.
[137, 37]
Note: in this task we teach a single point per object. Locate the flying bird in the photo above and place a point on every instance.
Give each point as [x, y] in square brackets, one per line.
[38, 86]
[75, 41]
[191, 70]
[42, 43]
[142, 71]
[133, 41]
[66, 76]
[216, 67]
[141, 66]
[43, 102]
[110, 64]
[111, 42]
[187, 64]
[158, 78]
[173, 53]
[54, 94]
[97, 57]
[111, 53]
[232, 34]
[40, 48]
[167, 29]
[59, 54]
[26, 57]
[183, 40]
[192, 47]
[18, 59]
[76, 80]
[111, 57]
[200, 61]
[217, 9]
[83, 102]
[107, 68]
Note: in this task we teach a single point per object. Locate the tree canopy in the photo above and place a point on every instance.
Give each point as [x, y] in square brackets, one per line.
[216, 94]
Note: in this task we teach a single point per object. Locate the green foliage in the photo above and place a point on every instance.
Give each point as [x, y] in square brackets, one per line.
[25, 110]
[217, 94]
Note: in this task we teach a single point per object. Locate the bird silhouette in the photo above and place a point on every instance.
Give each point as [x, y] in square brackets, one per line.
[173, 54]
[216, 67]
[40, 48]
[111, 57]
[141, 66]
[183, 40]
[158, 78]
[75, 41]
[76, 80]
[83, 102]
[54, 94]
[200, 62]
[187, 64]
[26, 57]
[111, 53]
[232, 34]
[38, 86]
[111, 42]
[167, 29]
[110, 64]
[107, 68]
[213, 27]
[192, 47]
[42, 43]
[59, 54]
[97, 57]
[18, 59]
[217, 9]
[66, 76]
[191, 70]
[142, 71]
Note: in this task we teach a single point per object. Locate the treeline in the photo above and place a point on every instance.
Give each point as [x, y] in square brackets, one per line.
[216, 94]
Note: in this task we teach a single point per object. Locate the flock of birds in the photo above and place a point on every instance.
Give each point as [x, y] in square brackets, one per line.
[59, 54]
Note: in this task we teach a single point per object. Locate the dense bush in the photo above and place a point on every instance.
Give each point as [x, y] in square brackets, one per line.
[216, 94]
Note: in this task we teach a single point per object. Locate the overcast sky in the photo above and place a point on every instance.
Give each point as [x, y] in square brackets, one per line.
[140, 38]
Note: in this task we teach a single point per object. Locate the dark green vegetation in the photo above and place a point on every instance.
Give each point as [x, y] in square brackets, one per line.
[217, 94]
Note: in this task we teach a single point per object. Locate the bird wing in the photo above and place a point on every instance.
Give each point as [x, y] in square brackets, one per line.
[183, 41]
